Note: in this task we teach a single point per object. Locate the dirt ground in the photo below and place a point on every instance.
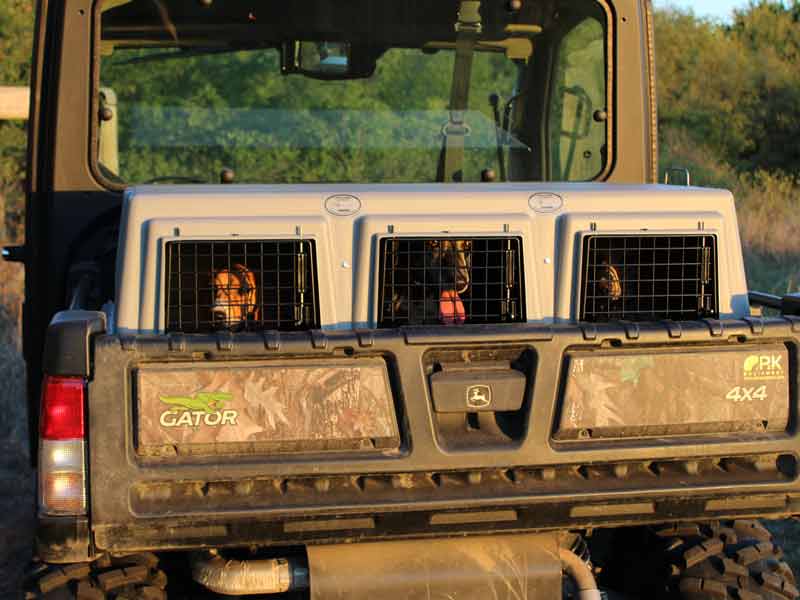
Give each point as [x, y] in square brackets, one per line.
[787, 535]
[16, 517]
[16, 477]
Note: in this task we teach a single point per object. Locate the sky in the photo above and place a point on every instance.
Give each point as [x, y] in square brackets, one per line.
[720, 9]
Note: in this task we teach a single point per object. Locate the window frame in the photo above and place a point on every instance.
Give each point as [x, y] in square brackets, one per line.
[543, 133]
[552, 60]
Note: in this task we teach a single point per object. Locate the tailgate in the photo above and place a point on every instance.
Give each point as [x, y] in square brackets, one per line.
[248, 438]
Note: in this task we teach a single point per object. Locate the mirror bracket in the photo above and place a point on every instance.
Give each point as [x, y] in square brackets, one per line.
[327, 60]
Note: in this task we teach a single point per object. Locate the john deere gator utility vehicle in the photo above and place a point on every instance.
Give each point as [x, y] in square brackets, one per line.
[356, 300]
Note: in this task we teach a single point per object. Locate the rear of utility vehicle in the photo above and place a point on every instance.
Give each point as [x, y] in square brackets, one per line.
[379, 299]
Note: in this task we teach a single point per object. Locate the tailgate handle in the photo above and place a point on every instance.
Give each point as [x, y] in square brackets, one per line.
[477, 387]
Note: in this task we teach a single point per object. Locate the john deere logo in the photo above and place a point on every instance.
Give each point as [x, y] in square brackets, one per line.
[760, 367]
[479, 396]
[203, 408]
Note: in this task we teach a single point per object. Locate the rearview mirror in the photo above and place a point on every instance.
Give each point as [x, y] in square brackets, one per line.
[325, 60]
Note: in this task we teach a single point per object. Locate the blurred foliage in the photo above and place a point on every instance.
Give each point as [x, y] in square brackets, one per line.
[16, 43]
[729, 111]
[241, 113]
[734, 88]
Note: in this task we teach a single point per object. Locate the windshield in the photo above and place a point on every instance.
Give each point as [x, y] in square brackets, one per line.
[451, 91]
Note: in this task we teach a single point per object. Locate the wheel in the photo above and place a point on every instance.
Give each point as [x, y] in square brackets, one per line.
[134, 577]
[726, 560]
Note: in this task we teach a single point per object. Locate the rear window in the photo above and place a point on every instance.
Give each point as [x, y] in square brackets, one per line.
[297, 93]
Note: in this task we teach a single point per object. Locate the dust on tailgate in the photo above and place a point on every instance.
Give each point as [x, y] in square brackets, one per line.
[287, 406]
[701, 390]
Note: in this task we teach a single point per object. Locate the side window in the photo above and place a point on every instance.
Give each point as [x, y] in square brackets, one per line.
[576, 135]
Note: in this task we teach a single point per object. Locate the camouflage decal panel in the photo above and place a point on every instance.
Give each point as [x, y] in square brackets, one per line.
[662, 393]
[286, 406]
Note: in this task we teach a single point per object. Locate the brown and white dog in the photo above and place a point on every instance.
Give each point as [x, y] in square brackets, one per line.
[235, 297]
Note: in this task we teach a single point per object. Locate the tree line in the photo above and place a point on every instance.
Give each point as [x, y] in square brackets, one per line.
[733, 88]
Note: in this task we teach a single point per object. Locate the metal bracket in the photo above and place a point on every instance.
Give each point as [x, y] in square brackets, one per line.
[469, 17]
[681, 170]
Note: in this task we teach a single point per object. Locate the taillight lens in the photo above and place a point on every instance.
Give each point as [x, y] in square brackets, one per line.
[62, 461]
[62, 408]
[62, 477]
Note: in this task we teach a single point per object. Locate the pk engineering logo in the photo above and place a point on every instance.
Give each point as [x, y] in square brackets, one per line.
[203, 408]
[763, 367]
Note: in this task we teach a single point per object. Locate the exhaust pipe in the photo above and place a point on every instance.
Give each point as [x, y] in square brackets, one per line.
[580, 573]
[399, 563]
[243, 577]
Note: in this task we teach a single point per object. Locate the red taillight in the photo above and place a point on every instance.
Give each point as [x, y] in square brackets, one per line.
[62, 460]
[62, 408]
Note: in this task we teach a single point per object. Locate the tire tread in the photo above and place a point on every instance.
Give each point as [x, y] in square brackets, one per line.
[136, 576]
[733, 560]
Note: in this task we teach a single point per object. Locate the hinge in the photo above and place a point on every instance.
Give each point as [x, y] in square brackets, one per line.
[509, 306]
[705, 278]
[706, 272]
[300, 284]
